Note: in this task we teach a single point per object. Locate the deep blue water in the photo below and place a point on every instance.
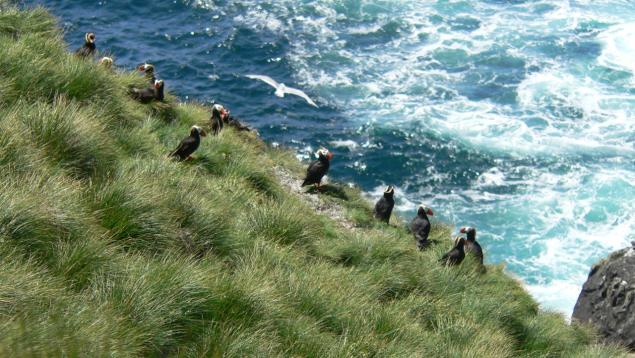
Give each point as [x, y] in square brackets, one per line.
[511, 116]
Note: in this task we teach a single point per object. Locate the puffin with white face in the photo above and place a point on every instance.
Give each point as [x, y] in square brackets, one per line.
[471, 245]
[456, 255]
[318, 169]
[420, 227]
[89, 48]
[148, 71]
[159, 93]
[107, 62]
[189, 144]
[147, 95]
[384, 206]
[218, 118]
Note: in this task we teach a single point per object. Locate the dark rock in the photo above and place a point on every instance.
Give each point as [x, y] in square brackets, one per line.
[607, 300]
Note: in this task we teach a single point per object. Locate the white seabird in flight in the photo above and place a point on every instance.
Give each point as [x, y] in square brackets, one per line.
[281, 89]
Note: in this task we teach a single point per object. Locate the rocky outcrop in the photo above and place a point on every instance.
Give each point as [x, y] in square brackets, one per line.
[607, 300]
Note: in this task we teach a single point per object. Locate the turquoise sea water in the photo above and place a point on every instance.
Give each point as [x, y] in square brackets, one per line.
[511, 116]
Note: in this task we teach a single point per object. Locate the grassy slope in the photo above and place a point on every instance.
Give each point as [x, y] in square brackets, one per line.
[108, 248]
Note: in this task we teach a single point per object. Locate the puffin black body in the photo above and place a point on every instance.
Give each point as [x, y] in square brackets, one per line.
[471, 245]
[159, 94]
[420, 227]
[89, 48]
[216, 120]
[456, 255]
[147, 95]
[384, 206]
[148, 71]
[189, 144]
[318, 169]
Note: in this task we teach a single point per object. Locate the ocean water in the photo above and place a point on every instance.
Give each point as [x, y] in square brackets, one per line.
[512, 116]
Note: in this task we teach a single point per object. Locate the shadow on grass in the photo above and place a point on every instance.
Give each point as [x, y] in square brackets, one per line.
[164, 111]
[329, 190]
[211, 165]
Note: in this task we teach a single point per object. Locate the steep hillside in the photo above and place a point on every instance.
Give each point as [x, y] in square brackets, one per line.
[108, 248]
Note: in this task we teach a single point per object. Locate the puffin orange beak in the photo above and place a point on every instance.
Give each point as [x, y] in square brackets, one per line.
[430, 212]
[463, 230]
[142, 68]
[329, 156]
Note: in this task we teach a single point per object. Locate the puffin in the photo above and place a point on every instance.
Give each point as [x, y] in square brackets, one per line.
[146, 95]
[318, 169]
[420, 227]
[217, 120]
[159, 93]
[471, 245]
[384, 206]
[89, 48]
[107, 62]
[148, 70]
[456, 255]
[189, 144]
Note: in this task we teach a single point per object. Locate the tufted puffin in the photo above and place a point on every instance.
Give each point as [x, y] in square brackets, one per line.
[420, 227]
[88, 49]
[318, 169]
[159, 94]
[456, 255]
[217, 120]
[189, 144]
[148, 70]
[146, 95]
[107, 62]
[471, 245]
[384, 206]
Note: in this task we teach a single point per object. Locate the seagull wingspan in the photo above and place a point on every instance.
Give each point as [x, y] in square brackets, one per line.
[297, 92]
[266, 79]
[279, 88]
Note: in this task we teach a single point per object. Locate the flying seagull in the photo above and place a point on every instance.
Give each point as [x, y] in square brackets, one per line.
[281, 89]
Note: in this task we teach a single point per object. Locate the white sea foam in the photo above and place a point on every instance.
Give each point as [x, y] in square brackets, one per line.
[260, 20]
[491, 178]
[618, 47]
[348, 143]
[558, 293]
